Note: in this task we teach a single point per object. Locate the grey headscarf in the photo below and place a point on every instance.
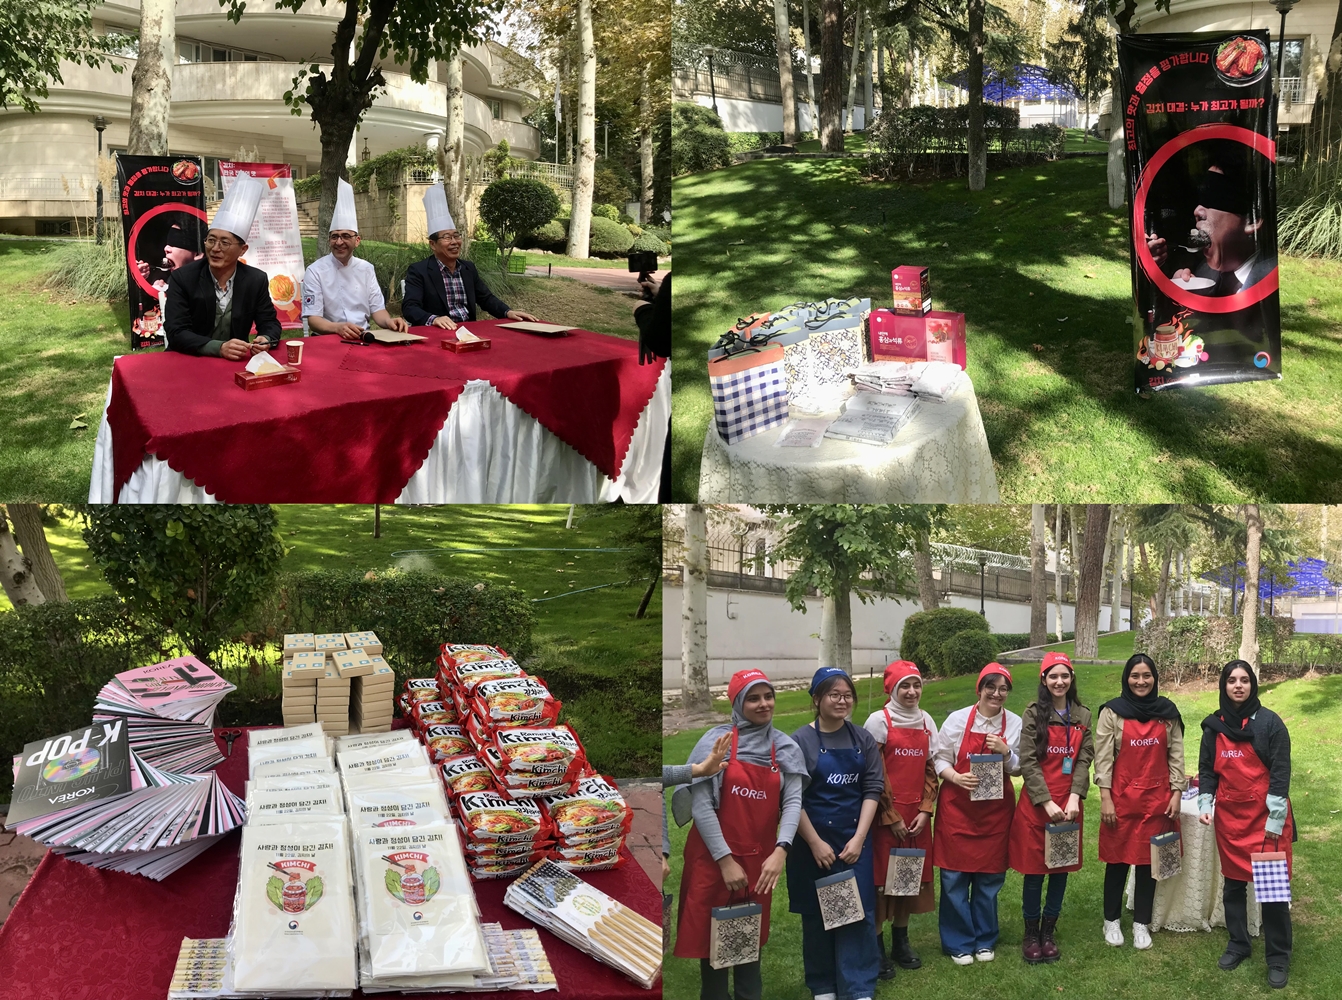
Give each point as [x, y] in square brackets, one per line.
[752, 746]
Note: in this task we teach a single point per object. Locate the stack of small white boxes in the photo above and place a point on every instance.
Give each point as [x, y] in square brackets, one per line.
[338, 679]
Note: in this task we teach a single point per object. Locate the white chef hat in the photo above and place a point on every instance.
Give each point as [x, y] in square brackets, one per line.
[343, 217]
[238, 208]
[436, 211]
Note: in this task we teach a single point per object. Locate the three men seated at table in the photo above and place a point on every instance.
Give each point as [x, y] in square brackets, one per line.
[213, 303]
[443, 290]
[340, 291]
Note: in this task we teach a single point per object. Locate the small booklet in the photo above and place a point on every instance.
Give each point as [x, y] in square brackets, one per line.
[803, 432]
[548, 329]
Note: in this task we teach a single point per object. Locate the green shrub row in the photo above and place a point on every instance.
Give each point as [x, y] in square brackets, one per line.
[903, 140]
[1021, 640]
[697, 139]
[744, 142]
[1193, 644]
[607, 238]
[926, 632]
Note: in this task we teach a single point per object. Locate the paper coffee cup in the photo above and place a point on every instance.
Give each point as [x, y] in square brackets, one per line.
[295, 351]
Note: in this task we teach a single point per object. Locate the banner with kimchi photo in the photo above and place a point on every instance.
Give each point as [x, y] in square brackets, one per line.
[162, 205]
[274, 244]
[1200, 125]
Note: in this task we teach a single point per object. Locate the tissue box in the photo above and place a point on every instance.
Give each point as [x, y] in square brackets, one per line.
[462, 347]
[913, 290]
[250, 380]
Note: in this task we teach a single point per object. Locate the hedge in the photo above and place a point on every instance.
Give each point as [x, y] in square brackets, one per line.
[937, 139]
[1193, 644]
[744, 142]
[1021, 640]
[966, 652]
[697, 139]
[608, 239]
[925, 631]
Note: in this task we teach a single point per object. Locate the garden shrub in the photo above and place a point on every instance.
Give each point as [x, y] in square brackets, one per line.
[552, 236]
[697, 139]
[387, 169]
[925, 631]
[903, 140]
[608, 238]
[1196, 644]
[662, 233]
[648, 242]
[307, 188]
[516, 205]
[612, 184]
[1021, 640]
[744, 142]
[88, 269]
[966, 652]
[606, 212]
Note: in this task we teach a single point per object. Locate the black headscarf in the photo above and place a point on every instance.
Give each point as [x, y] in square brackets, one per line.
[1230, 718]
[1151, 706]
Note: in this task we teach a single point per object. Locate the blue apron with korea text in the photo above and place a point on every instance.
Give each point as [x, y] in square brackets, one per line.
[833, 801]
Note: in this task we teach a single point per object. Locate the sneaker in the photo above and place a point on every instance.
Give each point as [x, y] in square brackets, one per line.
[985, 955]
[963, 959]
[1113, 933]
[1141, 936]
[826, 996]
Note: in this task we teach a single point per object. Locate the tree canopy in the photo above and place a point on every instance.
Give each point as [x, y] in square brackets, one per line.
[36, 35]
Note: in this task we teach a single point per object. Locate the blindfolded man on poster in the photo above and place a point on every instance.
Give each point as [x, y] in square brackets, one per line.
[213, 303]
[340, 291]
[179, 248]
[1225, 233]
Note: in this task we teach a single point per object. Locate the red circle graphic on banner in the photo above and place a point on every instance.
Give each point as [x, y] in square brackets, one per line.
[171, 206]
[1198, 303]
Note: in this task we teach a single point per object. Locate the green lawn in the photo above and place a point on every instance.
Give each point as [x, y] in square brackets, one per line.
[853, 142]
[1115, 646]
[56, 354]
[1039, 265]
[1078, 142]
[1179, 965]
[592, 638]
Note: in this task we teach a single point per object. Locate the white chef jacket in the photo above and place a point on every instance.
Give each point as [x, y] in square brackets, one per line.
[342, 293]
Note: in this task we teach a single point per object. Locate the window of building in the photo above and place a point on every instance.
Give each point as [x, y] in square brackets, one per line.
[218, 55]
[1295, 51]
[188, 52]
[496, 108]
[53, 227]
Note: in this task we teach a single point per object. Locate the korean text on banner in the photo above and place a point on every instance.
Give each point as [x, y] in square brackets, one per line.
[274, 244]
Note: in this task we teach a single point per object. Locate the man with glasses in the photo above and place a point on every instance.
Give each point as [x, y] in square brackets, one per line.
[340, 291]
[213, 303]
[443, 290]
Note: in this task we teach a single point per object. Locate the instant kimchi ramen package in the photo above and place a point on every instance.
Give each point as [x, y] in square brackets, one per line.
[515, 701]
[464, 774]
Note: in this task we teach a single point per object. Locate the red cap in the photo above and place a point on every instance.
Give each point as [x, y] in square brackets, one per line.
[897, 671]
[1052, 660]
[741, 680]
[994, 668]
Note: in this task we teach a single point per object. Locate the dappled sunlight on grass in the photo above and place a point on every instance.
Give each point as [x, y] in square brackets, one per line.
[1038, 262]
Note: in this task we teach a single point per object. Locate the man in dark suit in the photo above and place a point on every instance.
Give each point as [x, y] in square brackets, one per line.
[443, 290]
[212, 303]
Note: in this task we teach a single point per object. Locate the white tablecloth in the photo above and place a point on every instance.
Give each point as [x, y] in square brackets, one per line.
[488, 451]
[1191, 901]
[940, 457]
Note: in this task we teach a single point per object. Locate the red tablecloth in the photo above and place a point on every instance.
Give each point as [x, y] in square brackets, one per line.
[77, 933]
[355, 429]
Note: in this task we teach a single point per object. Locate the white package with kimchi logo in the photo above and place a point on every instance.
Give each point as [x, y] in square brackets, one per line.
[418, 909]
[383, 758]
[285, 805]
[294, 927]
[417, 803]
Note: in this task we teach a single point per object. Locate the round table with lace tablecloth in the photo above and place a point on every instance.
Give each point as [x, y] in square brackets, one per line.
[1191, 901]
[941, 456]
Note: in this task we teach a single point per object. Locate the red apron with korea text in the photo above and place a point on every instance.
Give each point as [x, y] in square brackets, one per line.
[1241, 809]
[972, 836]
[1140, 790]
[1027, 826]
[748, 811]
[906, 751]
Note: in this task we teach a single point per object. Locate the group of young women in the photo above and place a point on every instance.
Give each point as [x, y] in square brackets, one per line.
[833, 797]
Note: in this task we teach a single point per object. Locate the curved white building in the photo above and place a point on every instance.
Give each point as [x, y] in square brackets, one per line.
[226, 98]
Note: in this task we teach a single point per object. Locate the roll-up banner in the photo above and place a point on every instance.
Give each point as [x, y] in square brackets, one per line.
[274, 244]
[162, 201]
[1200, 124]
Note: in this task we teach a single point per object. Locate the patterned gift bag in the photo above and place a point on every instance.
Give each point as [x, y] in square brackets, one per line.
[987, 767]
[1167, 853]
[739, 336]
[1271, 876]
[904, 876]
[734, 934]
[840, 901]
[749, 392]
[666, 921]
[837, 340]
[1062, 845]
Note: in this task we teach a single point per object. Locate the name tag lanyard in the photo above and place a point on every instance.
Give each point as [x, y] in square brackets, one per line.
[1067, 721]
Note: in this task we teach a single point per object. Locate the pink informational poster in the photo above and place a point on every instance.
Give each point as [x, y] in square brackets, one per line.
[274, 244]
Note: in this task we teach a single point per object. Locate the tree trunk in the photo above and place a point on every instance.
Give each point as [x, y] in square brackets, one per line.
[645, 167]
[1091, 582]
[1116, 593]
[852, 70]
[452, 160]
[1057, 574]
[806, 52]
[843, 631]
[647, 595]
[1104, 563]
[978, 149]
[579, 226]
[1116, 169]
[831, 77]
[1038, 577]
[16, 572]
[151, 80]
[1161, 609]
[870, 111]
[337, 131]
[32, 539]
[1248, 646]
[1325, 120]
[1074, 545]
[1132, 607]
[922, 565]
[694, 612]
[828, 656]
[783, 43]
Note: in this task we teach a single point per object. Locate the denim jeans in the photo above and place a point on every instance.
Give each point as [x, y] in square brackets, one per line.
[1034, 889]
[844, 961]
[968, 918]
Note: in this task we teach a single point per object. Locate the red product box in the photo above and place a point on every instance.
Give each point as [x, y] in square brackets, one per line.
[938, 336]
[913, 290]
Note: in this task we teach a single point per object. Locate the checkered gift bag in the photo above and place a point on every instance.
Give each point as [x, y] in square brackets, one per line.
[904, 875]
[1167, 853]
[750, 393]
[734, 934]
[1271, 876]
[1062, 845]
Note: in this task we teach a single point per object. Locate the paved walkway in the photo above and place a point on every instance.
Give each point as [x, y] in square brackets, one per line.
[617, 278]
[18, 860]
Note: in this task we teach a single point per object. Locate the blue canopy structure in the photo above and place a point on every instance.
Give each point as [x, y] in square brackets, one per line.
[1023, 81]
[1307, 579]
